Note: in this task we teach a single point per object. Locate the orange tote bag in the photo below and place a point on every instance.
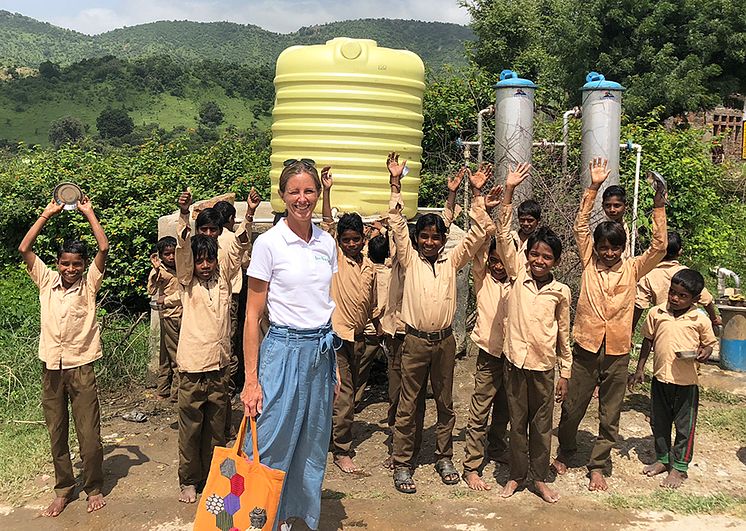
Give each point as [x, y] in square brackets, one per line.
[240, 494]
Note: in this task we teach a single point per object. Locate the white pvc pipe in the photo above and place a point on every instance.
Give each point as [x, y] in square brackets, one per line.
[638, 148]
[575, 113]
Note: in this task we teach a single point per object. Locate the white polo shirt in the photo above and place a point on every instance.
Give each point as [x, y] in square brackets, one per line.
[299, 275]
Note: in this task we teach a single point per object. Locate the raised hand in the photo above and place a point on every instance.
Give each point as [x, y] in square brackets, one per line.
[252, 201]
[326, 178]
[185, 201]
[155, 260]
[493, 198]
[479, 179]
[396, 168]
[454, 181]
[660, 198]
[85, 206]
[52, 209]
[599, 171]
[517, 174]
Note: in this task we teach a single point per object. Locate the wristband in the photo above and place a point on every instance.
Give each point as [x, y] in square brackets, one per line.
[45, 217]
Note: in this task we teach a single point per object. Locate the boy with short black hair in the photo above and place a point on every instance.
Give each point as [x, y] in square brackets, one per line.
[162, 282]
[614, 204]
[428, 307]
[529, 216]
[203, 353]
[492, 285]
[652, 289]
[354, 294]
[227, 212]
[209, 222]
[69, 343]
[603, 326]
[679, 336]
[537, 340]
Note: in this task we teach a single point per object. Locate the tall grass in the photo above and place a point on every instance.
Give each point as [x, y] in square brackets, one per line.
[24, 444]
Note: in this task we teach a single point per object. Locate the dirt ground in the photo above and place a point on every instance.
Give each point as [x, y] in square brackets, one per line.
[141, 485]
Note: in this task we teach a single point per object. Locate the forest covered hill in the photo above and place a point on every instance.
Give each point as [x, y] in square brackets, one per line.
[25, 41]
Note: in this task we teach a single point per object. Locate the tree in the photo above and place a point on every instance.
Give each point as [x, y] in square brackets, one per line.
[64, 130]
[676, 55]
[210, 114]
[114, 123]
[49, 70]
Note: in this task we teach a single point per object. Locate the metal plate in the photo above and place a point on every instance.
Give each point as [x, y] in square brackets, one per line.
[68, 194]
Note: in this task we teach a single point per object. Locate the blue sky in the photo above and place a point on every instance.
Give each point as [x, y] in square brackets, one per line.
[283, 16]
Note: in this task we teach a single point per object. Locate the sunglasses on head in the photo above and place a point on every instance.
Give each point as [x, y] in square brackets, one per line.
[310, 163]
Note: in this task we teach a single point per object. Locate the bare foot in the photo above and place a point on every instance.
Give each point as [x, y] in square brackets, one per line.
[598, 482]
[509, 488]
[654, 469]
[96, 502]
[389, 462]
[547, 494]
[475, 482]
[559, 467]
[674, 480]
[345, 464]
[188, 494]
[56, 507]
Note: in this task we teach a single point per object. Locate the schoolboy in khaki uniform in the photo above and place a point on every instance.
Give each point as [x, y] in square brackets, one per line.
[69, 343]
[162, 282]
[614, 204]
[492, 285]
[603, 326]
[537, 340]
[204, 350]
[354, 294]
[428, 307]
[394, 327]
[529, 216]
[672, 330]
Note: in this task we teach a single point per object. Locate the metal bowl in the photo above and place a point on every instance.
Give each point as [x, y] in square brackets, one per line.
[68, 195]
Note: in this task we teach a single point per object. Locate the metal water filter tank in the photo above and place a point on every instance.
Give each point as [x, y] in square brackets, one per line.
[348, 103]
[601, 127]
[514, 126]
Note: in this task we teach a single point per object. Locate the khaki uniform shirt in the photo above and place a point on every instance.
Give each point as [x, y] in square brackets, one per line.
[537, 334]
[162, 282]
[205, 337]
[429, 300]
[652, 289]
[521, 246]
[224, 243]
[69, 335]
[671, 334]
[492, 302]
[607, 294]
[353, 292]
[383, 278]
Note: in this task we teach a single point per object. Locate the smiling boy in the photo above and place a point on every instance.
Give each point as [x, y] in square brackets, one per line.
[354, 294]
[603, 326]
[69, 343]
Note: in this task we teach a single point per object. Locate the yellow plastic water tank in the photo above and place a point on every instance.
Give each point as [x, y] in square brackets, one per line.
[347, 104]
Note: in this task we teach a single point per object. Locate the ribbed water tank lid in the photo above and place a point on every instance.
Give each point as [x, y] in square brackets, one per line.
[596, 81]
[508, 78]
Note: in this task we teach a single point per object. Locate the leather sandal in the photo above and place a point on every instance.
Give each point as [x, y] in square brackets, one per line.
[403, 480]
[448, 473]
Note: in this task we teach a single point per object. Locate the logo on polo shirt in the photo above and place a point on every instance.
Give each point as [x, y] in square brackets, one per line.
[322, 258]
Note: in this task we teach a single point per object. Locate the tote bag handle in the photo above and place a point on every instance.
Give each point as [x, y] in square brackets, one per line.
[238, 445]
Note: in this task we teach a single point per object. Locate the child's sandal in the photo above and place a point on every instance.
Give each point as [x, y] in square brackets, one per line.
[403, 480]
[448, 473]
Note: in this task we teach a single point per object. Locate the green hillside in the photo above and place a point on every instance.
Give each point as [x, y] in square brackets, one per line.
[28, 42]
[155, 90]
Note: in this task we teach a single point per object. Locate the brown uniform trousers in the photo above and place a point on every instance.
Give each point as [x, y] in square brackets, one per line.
[531, 403]
[348, 361]
[610, 374]
[202, 408]
[168, 385]
[394, 346]
[489, 395]
[371, 349]
[419, 358]
[79, 385]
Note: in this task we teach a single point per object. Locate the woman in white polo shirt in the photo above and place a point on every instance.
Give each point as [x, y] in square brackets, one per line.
[291, 380]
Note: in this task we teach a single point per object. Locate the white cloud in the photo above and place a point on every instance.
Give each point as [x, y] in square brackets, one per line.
[274, 15]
